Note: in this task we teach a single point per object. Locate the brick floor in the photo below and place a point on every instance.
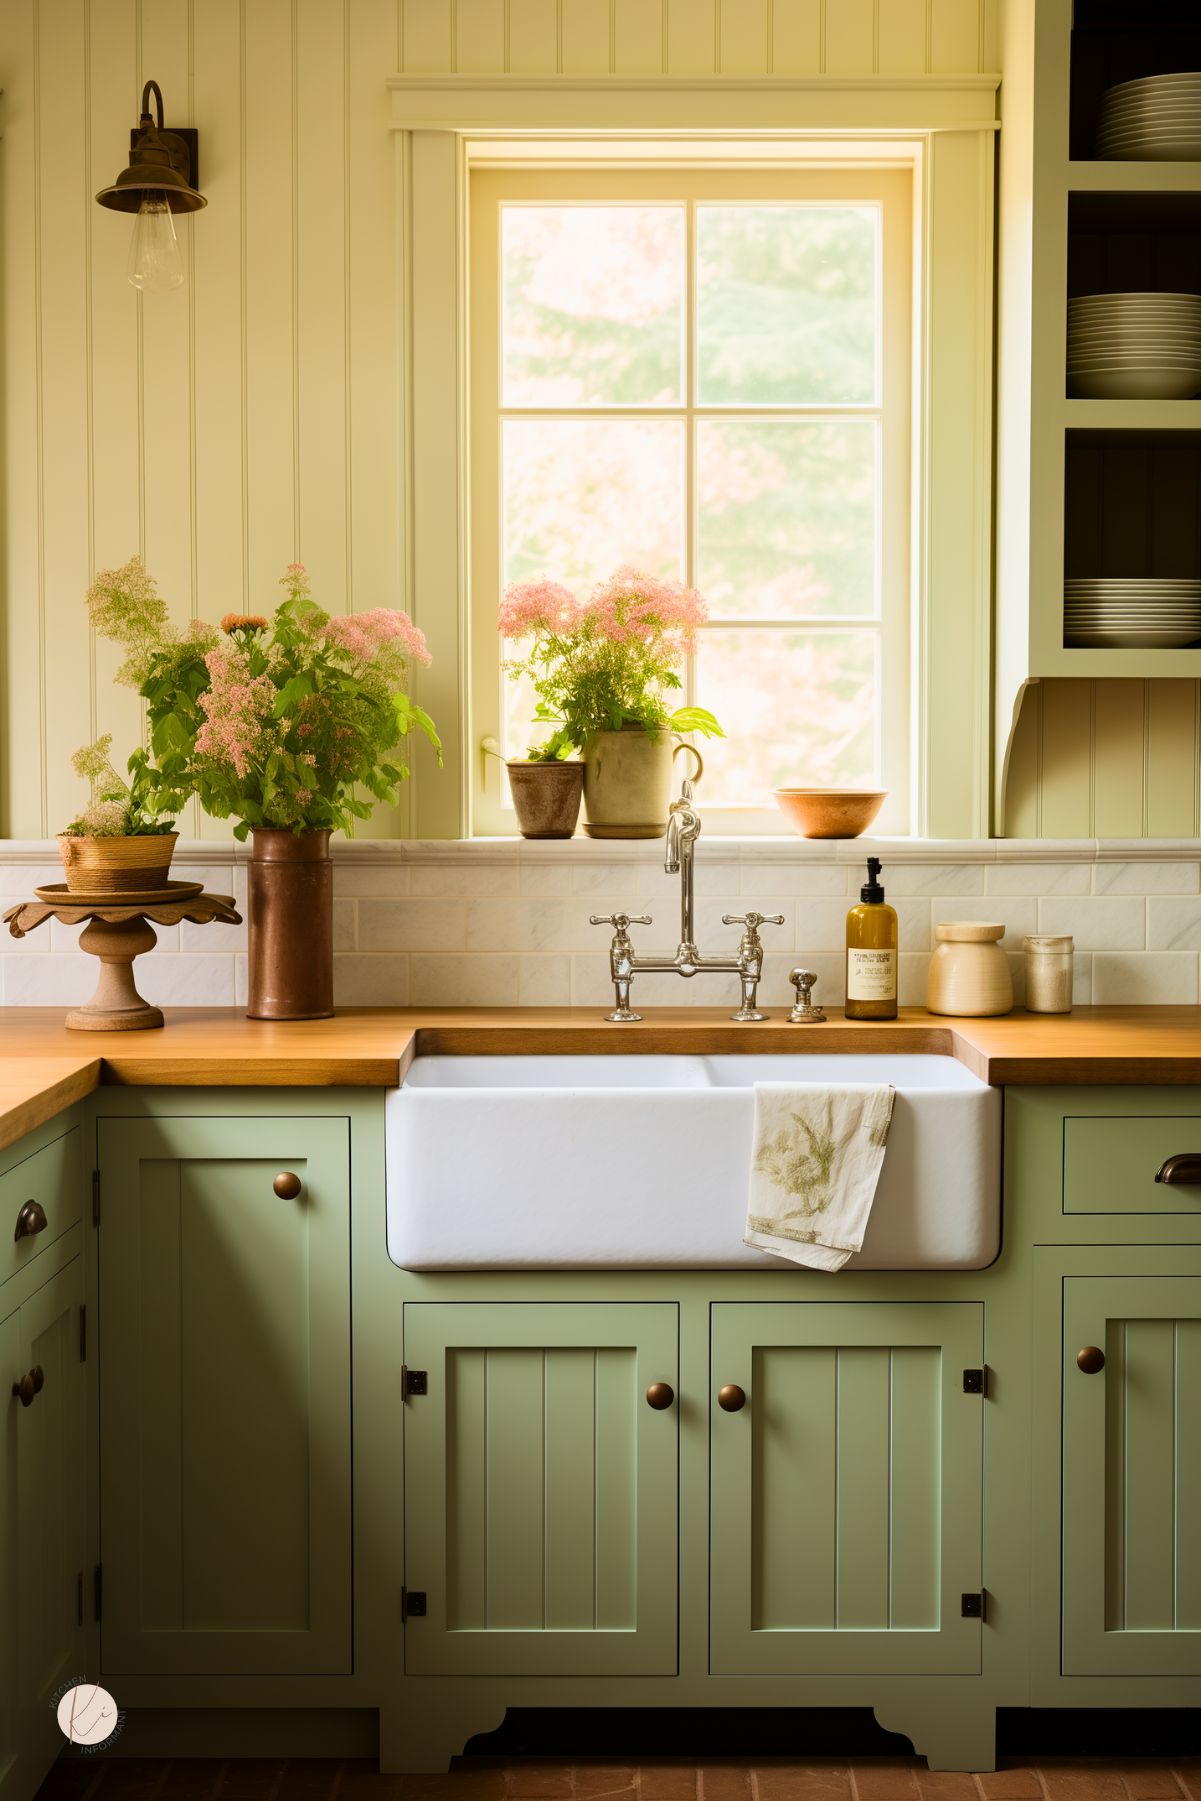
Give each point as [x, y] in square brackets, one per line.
[883, 1779]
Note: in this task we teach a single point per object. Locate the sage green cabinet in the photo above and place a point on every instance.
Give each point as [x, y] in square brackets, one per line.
[541, 1488]
[846, 1492]
[225, 1395]
[42, 1519]
[1132, 1473]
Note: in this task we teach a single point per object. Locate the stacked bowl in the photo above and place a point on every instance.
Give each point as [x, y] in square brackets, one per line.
[1114, 613]
[1134, 346]
[1157, 119]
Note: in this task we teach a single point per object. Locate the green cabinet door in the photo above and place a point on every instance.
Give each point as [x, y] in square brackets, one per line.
[541, 1489]
[225, 1396]
[846, 1491]
[1132, 1476]
[42, 1524]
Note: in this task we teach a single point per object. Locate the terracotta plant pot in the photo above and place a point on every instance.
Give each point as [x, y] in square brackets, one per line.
[546, 797]
[117, 865]
[291, 915]
[627, 784]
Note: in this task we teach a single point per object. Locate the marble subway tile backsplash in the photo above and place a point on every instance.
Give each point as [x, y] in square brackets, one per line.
[498, 923]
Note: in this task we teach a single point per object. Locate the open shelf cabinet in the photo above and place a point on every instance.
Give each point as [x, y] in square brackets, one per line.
[1086, 487]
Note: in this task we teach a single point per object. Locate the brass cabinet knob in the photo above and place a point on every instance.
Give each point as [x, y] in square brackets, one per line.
[731, 1398]
[1091, 1359]
[660, 1395]
[31, 1384]
[31, 1219]
[287, 1185]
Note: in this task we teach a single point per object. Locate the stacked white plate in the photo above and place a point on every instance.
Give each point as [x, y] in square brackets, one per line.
[1157, 119]
[1112, 613]
[1134, 346]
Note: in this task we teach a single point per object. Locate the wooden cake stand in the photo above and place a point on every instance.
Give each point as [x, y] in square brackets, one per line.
[117, 929]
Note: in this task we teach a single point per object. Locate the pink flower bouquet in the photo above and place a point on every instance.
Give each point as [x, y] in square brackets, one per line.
[607, 663]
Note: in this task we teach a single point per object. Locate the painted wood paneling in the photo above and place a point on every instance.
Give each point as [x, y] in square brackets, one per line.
[254, 415]
[216, 1288]
[856, 1423]
[542, 1514]
[1132, 1569]
[1106, 759]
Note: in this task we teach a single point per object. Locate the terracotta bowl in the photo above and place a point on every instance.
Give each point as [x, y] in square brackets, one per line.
[830, 812]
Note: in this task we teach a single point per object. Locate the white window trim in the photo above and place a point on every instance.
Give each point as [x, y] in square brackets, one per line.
[442, 123]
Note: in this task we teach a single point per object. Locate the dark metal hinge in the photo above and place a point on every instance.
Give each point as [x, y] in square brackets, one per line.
[412, 1603]
[97, 1591]
[972, 1606]
[415, 1382]
[975, 1382]
[83, 1334]
[95, 1197]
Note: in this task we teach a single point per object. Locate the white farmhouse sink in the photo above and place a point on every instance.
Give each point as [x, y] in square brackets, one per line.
[622, 1162]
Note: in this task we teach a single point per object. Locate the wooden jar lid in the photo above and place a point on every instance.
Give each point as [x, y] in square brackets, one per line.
[967, 931]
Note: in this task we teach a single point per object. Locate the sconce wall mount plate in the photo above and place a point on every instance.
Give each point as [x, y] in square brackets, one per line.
[161, 162]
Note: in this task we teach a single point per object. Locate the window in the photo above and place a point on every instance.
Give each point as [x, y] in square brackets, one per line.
[706, 372]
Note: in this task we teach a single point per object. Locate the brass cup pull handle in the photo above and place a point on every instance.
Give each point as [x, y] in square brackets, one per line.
[1091, 1359]
[287, 1185]
[31, 1219]
[731, 1398]
[660, 1395]
[1181, 1171]
[31, 1384]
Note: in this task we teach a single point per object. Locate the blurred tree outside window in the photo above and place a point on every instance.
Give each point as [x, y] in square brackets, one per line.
[695, 383]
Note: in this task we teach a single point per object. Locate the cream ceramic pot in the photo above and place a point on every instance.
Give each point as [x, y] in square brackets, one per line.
[627, 783]
[969, 972]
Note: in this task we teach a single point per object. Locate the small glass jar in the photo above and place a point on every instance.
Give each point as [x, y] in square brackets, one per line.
[1049, 974]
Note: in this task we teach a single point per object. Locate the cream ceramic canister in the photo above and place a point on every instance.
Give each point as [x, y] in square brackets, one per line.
[969, 972]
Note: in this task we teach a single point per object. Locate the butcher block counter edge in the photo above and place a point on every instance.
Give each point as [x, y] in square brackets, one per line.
[45, 1069]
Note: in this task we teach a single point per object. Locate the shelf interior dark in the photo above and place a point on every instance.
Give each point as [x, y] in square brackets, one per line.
[1113, 41]
[1132, 504]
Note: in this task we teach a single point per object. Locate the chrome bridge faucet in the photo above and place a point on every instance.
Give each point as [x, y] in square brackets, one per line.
[683, 830]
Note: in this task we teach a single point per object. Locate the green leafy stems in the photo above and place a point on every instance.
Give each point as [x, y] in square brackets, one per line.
[608, 663]
[292, 721]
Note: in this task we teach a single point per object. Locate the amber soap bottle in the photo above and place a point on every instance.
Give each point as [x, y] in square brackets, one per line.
[872, 952]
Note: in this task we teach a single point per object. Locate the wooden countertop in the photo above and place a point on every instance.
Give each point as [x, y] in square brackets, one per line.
[44, 1068]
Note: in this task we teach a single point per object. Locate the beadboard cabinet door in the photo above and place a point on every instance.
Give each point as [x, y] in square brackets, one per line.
[1132, 1475]
[225, 1396]
[541, 1489]
[846, 1499]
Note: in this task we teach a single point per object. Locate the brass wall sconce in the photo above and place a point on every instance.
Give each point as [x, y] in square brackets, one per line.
[161, 180]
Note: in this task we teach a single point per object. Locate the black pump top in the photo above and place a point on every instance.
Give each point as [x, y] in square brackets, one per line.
[872, 890]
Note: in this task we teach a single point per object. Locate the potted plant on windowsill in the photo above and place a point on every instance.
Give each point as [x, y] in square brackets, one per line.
[290, 726]
[602, 670]
[123, 840]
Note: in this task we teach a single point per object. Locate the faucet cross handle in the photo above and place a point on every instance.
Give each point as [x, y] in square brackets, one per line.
[619, 921]
[752, 921]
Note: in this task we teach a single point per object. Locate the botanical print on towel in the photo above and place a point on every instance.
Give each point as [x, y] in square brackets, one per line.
[817, 1159]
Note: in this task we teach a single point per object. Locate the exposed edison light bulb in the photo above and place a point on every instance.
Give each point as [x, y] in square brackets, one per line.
[155, 262]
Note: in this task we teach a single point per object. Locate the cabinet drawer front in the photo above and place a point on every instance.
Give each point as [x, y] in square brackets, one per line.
[1110, 1165]
[847, 1507]
[1132, 1475]
[540, 1489]
[50, 1179]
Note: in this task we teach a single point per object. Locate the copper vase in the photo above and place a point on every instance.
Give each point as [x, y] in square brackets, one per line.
[291, 914]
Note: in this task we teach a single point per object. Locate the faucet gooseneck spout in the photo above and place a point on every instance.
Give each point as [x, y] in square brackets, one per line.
[683, 830]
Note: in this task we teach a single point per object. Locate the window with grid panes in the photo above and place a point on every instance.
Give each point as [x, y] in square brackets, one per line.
[706, 373]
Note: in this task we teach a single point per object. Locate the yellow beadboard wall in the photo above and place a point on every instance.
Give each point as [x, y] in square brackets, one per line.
[1106, 759]
[253, 418]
